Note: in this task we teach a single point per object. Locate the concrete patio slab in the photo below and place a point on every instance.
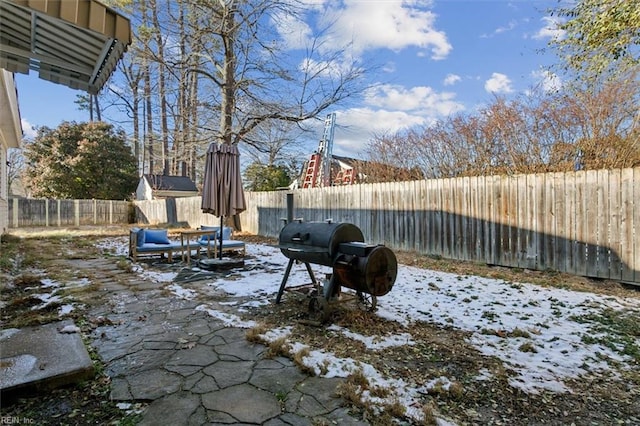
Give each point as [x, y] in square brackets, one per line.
[42, 357]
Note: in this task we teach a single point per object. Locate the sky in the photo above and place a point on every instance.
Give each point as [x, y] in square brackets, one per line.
[470, 303]
[436, 58]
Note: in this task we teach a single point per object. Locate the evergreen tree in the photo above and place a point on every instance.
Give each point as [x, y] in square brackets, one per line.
[80, 161]
[261, 177]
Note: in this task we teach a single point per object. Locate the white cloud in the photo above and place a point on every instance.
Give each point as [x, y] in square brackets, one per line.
[549, 82]
[389, 67]
[549, 30]
[498, 83]
[509, 27]
[419, 98]
[389, 109]
[28, 130]
[294, 32]
[451, 79]
[355, 127]
[326, 69]
[393, 25]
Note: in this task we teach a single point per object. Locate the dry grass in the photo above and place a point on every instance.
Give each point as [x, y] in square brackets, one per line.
[359, 379]
[351, 393]
[255, 334]
[298, 359]
[438, 351]
[429, 417]
[395, 409]
[278, 347]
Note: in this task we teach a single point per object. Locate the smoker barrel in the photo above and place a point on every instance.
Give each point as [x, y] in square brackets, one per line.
[316, 242]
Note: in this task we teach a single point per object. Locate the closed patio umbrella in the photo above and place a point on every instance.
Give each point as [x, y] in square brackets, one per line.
[222, 192]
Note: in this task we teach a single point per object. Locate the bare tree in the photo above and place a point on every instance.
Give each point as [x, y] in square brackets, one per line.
[212, 70]
[587, 127]
[257, 82]
[15, 167]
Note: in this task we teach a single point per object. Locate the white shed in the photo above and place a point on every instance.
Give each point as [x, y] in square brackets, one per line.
[154, 187]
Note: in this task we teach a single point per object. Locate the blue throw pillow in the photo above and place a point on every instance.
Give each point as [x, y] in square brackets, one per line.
[157, 236]
[226, 233]
[140, 237]
[214, 234]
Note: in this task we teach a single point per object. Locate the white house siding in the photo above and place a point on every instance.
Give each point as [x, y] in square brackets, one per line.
[10, 136]
[4, 202]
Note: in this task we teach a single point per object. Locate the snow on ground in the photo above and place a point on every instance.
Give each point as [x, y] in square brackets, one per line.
[532, 329]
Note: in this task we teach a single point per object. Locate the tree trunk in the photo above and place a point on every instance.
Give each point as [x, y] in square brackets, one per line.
[164, 128]
[227, 106]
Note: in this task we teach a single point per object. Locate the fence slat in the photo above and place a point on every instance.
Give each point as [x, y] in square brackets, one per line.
[627, 225]
[562, 236]
[615, 212]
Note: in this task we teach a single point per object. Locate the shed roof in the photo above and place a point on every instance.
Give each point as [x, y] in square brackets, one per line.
[171, 183]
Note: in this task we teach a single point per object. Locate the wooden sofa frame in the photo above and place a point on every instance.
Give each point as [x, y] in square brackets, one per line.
[134, 253]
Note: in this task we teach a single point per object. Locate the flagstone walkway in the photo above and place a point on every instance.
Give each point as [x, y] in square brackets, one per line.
[193, 369]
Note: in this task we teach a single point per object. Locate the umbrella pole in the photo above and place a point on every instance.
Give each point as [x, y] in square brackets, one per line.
[221, 229]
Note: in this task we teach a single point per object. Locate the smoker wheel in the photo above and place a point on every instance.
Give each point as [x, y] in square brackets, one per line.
[366, 301]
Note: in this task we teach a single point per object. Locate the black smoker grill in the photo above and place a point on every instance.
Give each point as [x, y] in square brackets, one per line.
[368, 269]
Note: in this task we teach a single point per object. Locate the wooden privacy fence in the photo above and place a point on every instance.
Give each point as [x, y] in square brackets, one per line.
[25, 212]
[585, 223]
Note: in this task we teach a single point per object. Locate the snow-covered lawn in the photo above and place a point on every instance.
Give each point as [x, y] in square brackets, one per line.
[544, 335]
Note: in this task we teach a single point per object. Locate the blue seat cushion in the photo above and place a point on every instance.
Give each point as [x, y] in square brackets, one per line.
[226, 233]
[140, 237]
[225, 243]
[155, 247]
[156, 236]
[232, 243]
[212, 236]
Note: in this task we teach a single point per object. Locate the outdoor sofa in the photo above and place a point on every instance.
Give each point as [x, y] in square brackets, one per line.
[143, 241]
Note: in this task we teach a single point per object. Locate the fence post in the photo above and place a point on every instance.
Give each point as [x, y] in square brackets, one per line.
[58, 214]
[46, 212]
[15, 212]
[76, 205]
[110, 212]
[95, 211]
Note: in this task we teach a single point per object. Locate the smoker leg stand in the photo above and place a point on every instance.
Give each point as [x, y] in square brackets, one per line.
[313, 277]
[286, 277]
[284, 281]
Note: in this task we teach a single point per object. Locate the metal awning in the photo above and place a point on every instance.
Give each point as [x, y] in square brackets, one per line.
[77, 43]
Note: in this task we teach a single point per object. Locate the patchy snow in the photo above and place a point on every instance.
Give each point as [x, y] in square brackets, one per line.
[156, 276]
[46, 299]
[533, 330]
[49, 283]
[118, 246]
[182, 293]
[65, 310]
[229, 320]
[82, 282]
